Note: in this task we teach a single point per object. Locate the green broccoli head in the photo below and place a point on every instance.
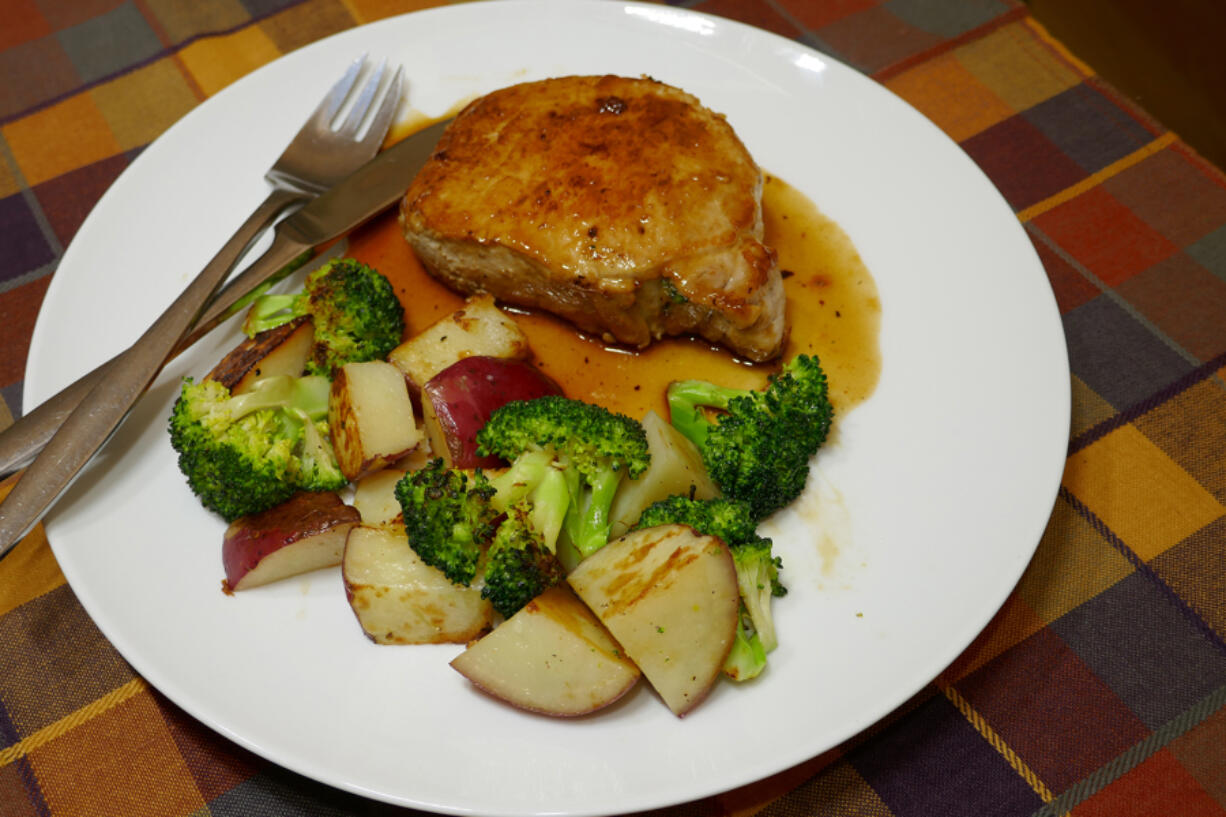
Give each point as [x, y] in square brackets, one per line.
[448, 518]
[354, 309]
[499, 534]
[757, 445]
[729, 519]
[590, 437]
[593, 446]
[519, 566]
[246, 453]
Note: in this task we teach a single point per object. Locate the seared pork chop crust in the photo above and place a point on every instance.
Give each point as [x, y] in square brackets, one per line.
[622, 205]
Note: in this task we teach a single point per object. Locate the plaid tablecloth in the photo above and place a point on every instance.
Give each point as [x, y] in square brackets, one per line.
[1099, 688]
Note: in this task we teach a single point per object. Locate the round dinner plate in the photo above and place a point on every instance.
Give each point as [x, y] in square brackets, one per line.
[935, 490]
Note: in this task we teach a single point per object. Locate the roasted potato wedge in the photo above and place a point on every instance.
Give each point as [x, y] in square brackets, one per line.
[371, 417]
[399, 599]
[669, 596]
[283, 350]
[478, 328]
[552, 657]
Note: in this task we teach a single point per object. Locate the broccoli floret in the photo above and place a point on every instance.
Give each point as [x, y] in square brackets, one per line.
[729, 519]
[354, 309]
[503, 531]
[448, 518]
[757, 578]
[246, 453]
[520, 565]
[468, 528]
[592, 447]
[523, 563]
[757, 570]
[756, 444]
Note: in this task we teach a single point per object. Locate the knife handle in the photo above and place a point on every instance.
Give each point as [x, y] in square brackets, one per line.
[29, 433]
[107, 402]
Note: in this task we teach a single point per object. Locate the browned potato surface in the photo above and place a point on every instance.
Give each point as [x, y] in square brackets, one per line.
[669, 596]
[371, 417]
[551, 657]
[283, 350]
[399, 599]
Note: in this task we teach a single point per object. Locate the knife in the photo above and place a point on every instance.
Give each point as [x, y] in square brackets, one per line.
[102, 406]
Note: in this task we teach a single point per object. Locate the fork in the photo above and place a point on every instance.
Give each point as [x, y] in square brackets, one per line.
[318, 157]
[322, 153]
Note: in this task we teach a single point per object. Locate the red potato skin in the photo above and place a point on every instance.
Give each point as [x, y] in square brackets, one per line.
[249, 539]
[466, 393]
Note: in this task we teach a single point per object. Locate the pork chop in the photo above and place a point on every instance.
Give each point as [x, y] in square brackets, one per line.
[622, 205]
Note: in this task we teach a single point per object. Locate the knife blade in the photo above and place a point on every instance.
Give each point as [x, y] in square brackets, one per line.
[369, 191]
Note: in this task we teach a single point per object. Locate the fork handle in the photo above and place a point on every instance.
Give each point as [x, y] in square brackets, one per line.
[28, 435]
[104, 406]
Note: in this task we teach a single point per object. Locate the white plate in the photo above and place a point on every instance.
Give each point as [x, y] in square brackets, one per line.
[945, 477]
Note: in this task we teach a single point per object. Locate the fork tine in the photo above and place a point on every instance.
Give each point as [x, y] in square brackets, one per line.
[361, 106]
[319, 155]
[382, 117]
[323, 114]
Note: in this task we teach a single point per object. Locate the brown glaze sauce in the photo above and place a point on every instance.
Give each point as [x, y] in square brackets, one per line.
[833, 311]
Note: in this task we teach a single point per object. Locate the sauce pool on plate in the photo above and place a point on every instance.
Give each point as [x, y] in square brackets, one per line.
[833, 311]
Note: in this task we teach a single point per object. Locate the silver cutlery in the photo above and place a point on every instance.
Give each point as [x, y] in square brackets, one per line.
[322, 153]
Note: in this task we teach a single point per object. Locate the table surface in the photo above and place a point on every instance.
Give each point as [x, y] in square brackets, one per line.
[1170, 61]
[1100, 686]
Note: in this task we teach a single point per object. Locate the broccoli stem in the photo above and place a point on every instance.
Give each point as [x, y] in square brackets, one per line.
[271, 392]
[311, 394]
[535, 478]
[550, 500]
[315, 451]
[591, 531]
[270, 311]
[261, 290]
[520, 479]
[307, 394]
[686, 402]
[747, 658]
[757, 589]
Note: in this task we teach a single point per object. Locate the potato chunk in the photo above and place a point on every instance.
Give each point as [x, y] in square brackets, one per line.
[283, 350]
[478, 328]
[551, 657]
[399, 599]
[676, 468]
[374, 496]
[458, 401]
[669, 596]
[371, 417]
[304, 533]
